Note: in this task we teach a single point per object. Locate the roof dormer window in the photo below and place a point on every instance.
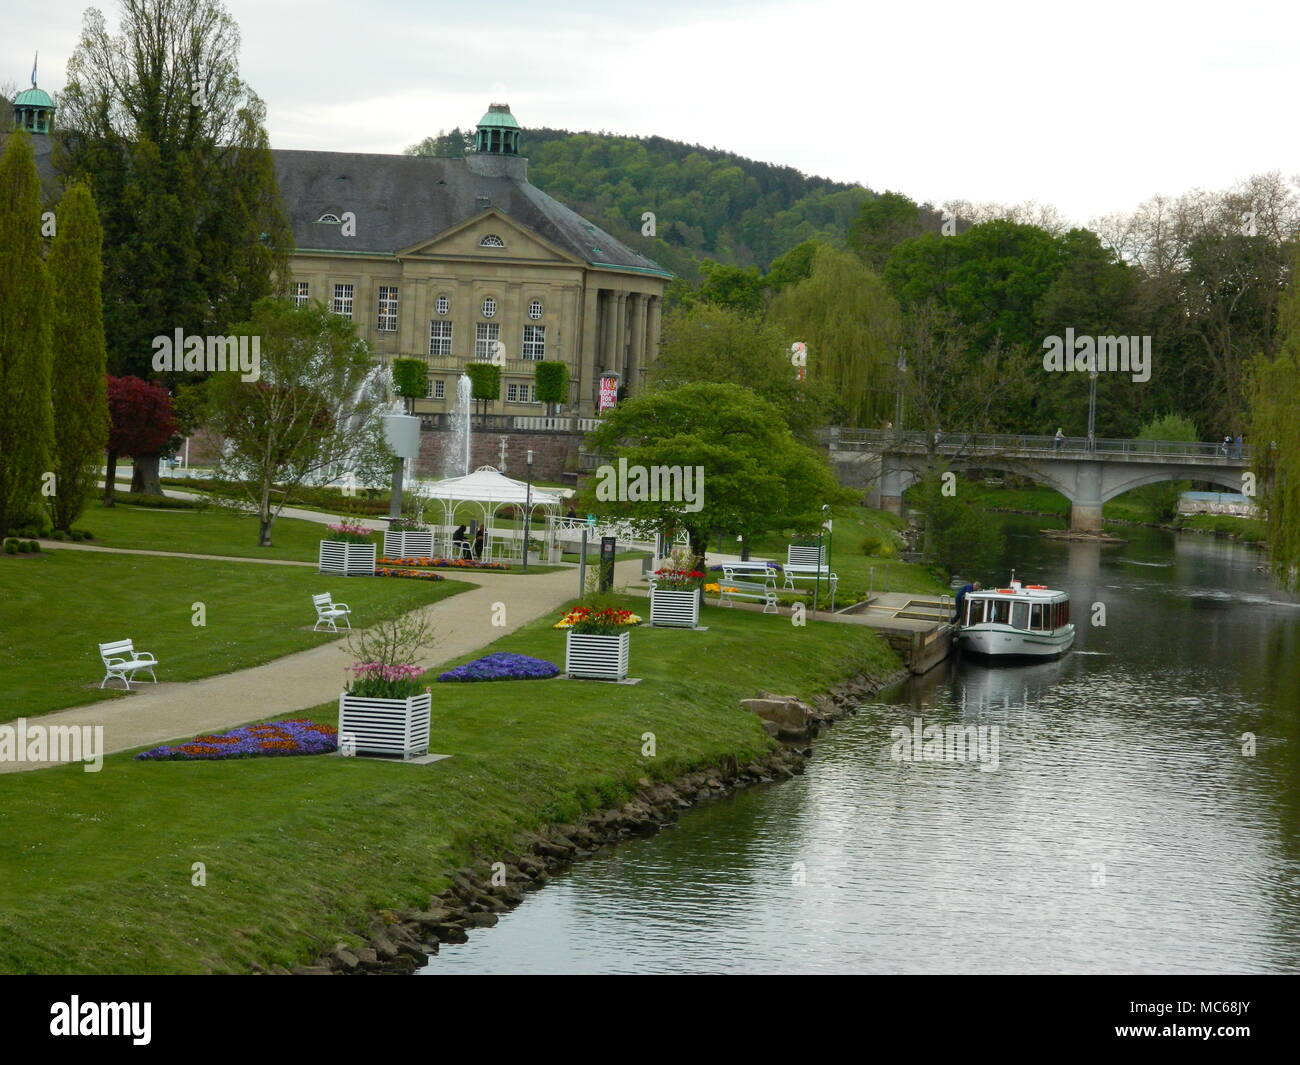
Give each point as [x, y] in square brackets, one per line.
[491, 241]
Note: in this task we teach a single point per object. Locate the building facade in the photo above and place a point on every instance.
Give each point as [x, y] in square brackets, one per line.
[454, 261]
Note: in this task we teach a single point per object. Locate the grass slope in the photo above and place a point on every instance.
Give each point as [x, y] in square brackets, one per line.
[56, 608]
[95, 869]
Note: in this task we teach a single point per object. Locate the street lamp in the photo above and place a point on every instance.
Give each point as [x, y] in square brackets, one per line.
[528, 507]
[1092, 407]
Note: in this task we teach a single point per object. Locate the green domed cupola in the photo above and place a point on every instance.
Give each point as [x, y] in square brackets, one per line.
[33, 109]
[498, 132]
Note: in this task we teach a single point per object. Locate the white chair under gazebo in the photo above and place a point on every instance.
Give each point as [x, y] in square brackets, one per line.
[490, 490]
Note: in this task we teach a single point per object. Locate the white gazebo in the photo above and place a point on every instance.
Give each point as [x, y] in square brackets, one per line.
[491, 490]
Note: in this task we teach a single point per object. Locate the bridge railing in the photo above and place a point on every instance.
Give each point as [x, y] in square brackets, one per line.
[1021, 442]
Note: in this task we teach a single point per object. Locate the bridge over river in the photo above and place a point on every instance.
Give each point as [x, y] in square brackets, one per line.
[1087, 473]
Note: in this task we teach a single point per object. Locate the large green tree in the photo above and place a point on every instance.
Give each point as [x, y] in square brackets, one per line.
[174, 146]
[715, 344]
[78, 386]
[756, 476]
[26, 421]
[850, 323]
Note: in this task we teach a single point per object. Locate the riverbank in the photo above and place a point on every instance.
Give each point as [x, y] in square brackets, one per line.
[265, 863]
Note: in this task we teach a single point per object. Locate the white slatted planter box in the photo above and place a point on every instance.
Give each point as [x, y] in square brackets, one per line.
[408, 543]
[594, 657]
[385, 726]
[678, 609]
[347, 559]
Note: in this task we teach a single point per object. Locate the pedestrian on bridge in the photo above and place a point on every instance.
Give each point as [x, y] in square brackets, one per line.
[1060, 439]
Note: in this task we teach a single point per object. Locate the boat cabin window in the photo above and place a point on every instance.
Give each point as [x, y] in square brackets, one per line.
[1036, 616]
[974, 611]
[1020, 615]
[1000, 610]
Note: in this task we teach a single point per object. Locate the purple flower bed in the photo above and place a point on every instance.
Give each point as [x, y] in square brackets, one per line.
[269, 739]
[502, 666]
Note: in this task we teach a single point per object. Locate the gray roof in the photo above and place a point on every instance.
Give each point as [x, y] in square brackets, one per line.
[401, 200]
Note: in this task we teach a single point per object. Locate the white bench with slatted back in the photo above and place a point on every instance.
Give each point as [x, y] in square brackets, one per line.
[738, 582]
[328, 612]
[807, 563]
[122, 660]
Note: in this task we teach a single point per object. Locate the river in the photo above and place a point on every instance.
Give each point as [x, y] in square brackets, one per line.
[1124, 828]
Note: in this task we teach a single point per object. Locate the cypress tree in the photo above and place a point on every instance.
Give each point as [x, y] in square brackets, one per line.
[26, 419]
[78, 382]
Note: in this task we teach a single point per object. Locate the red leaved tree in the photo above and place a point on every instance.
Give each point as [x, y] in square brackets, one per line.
[141, 423]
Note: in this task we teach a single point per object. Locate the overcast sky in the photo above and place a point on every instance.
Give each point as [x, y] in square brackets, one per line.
[1092, 107]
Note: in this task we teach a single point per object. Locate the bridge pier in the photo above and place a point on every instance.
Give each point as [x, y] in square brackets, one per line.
[1085, 500]
[891, 484]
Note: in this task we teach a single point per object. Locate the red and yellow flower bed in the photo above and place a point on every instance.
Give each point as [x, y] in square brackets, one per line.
[446, 563]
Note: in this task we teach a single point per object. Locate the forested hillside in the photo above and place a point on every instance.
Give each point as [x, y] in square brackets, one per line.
[708, 204]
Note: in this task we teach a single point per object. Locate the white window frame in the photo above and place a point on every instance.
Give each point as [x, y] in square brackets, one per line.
[386, 318]
[492, 241]
[343, 302]
[521, 392]
[301, 293]
[533, 346]
[489, 307]
[436, 389]
[535, 310]
[440, 334]
[442, 305]
[486, 334]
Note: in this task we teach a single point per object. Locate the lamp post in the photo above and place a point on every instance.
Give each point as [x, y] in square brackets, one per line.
[1092, 407]
[830, 546]
[528, 507]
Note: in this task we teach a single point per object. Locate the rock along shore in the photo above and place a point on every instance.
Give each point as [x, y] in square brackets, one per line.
[401, 941]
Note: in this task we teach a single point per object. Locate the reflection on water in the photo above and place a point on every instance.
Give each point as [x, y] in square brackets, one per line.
[1123, 830]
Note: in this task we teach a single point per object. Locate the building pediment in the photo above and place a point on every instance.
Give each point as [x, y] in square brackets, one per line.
[490, 235]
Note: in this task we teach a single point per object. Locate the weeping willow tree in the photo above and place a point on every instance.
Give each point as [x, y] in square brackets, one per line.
[850, 322]
[1275, 435]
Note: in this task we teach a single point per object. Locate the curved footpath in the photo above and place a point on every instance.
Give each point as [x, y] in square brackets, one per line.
[152, 715]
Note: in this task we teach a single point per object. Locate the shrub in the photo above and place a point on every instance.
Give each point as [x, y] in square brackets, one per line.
[11, 547]
[870, 544]
[552, 379]
[58, 534]
[409, 378]
[485, 379]
[82, 534]
[34, 547]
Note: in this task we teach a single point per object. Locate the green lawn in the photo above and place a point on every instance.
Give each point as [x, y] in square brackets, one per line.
[859, 572]
[56, 607]
[95, 868]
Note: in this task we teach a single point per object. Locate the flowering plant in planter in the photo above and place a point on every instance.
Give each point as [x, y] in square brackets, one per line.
[679, 580]
[502, 666]
[608, 622]
[349, 533]
[375, 680]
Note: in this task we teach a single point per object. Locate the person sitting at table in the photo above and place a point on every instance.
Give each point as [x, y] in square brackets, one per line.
[459, 545]
[478, 543]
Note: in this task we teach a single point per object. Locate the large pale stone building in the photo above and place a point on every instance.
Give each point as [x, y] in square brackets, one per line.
[440, 259]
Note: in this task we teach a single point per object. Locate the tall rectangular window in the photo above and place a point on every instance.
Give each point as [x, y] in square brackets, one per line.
[486, 334]
[534, 342]
[301, 293]
[387, 322]
[440, 337]
[343, 301]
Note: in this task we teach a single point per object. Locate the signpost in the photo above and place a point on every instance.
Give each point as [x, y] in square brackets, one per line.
[608, 549]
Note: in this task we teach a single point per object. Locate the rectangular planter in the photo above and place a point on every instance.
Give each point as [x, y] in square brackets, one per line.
[386, 726]
[675, 609]
[346, 559]
[408, 543]
[596, 657]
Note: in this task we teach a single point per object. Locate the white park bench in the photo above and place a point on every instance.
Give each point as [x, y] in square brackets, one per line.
[121, 660]
[328, 612]
[738, 582]
[807, 563]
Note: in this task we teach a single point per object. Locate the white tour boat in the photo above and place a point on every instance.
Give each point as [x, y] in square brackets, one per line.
[1027, 620]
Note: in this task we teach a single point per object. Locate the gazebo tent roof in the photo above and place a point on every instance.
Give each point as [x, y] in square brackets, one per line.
[489, 485]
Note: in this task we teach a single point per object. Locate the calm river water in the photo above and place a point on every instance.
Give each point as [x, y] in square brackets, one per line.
[1123, 829]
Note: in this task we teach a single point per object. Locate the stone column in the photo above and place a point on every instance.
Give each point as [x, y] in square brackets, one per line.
[636, 360]
[620, 337]
[891, 484]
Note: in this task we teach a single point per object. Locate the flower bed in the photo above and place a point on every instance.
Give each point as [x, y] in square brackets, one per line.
[350, 533]
[678, 580]
[502, 666]
[413, 574]
[268, 740]
[452, 563]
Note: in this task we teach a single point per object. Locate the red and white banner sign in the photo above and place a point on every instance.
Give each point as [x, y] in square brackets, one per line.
[608, 396]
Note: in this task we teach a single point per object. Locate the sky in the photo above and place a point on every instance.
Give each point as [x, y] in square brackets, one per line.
[1090, 107]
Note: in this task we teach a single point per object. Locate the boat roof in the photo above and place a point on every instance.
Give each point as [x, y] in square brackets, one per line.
[1025, 591]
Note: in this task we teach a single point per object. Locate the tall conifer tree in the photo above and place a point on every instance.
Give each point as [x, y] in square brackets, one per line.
[78, 386]
[26, 422]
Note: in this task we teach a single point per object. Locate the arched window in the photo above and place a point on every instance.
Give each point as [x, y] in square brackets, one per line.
[535, 309]
[491, 241]
[443, 305]
[489, 308]
[332, 219]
